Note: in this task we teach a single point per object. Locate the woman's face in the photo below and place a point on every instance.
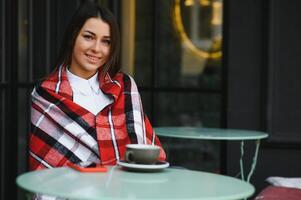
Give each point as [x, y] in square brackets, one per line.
[91, 49]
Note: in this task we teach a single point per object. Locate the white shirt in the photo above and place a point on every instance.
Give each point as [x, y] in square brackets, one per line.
[87, 93]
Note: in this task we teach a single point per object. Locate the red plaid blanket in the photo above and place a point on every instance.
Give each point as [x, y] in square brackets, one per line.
[62, 131]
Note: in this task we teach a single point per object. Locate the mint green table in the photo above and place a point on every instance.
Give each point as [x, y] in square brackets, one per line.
[118, 184]
[218, 134]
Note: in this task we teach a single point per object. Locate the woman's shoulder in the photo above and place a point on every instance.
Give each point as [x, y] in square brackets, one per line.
[124, 78]
[126, 81]
[51, 80]
[41, 82]
[38, 83]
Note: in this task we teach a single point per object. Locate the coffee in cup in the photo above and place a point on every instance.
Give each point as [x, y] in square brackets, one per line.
[142, 153]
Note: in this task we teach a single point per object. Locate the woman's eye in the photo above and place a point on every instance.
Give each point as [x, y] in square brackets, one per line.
[88, 37]
[107, 42]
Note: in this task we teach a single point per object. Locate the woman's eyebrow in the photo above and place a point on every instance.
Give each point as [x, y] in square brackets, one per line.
[90, 32]
[106, 36]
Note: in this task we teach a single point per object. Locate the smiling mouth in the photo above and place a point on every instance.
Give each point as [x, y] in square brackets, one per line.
[93, 58]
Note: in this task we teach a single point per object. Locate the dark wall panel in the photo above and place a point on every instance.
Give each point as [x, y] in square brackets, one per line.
[48, 22]
[284, 71]
[263, 68]
[244, 63]
[243, 38]
[30, 34]
[39, 37]
[8, 148]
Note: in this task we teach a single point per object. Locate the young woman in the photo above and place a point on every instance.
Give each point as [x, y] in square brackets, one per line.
[87, 110]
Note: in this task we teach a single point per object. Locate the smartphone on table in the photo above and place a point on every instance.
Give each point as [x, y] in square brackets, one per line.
[87, 167]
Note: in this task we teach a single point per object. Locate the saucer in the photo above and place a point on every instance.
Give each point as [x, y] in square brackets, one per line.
[143, 167]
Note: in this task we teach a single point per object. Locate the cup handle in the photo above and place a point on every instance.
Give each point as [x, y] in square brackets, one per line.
[129, 156]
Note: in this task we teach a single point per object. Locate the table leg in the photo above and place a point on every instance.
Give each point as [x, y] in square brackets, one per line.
[254, 162]
[241, 160]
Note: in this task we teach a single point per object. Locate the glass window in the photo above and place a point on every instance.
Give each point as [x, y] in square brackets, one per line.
[187, 109]
[193, 154]
[178, 38]
[173, 50]
[144, 43]
[146, 98]
[188, 44]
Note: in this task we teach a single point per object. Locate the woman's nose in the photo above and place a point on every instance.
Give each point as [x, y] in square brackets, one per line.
[96, 47]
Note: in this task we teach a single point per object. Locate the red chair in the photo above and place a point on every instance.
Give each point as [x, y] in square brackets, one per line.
[279, 193]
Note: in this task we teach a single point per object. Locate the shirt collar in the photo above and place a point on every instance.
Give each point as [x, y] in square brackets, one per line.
[59, 78]
[85, 86]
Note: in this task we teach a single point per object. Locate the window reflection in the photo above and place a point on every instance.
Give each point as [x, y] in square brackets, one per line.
[198, 23]
[173, 50]
[199, 27]
[175, 46]
[173, 43]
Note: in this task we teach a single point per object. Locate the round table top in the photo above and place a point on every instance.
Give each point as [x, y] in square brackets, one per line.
[210, 133]
[117, 184]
